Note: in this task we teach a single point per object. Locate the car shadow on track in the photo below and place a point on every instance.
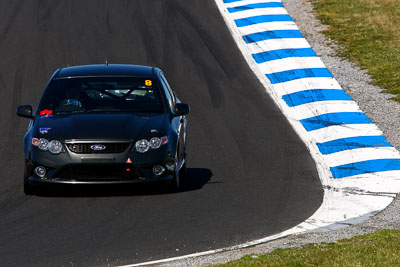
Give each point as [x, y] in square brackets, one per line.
[197, 178]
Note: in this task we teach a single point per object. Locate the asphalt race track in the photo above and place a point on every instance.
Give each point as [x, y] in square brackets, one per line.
[251, 176]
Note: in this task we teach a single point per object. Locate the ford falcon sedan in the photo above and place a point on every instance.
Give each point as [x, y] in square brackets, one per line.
[105, 124]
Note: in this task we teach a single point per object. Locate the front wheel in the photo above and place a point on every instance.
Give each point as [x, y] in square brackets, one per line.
[175, 184]
[28, 187]
[183, 175]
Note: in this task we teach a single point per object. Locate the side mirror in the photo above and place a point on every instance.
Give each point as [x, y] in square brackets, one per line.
[181, 109]
[25, 111]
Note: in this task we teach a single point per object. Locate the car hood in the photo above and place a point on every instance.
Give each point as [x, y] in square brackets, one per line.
[93, 126]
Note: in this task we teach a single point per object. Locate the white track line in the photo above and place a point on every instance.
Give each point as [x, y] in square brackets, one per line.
[360, 154]
[344, 131]
[274, 44]
[380, 185]
[290, 63]
[259, 12]
[323, 107]
[268, 26]
[246, 2]
[305, 84]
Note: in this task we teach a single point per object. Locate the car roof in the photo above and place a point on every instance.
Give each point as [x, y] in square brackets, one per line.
[105, 70]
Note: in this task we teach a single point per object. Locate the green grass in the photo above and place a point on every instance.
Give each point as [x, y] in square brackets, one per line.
[378, 249]
[369, 32]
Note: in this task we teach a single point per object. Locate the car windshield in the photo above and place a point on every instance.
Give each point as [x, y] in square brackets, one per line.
[101, 94]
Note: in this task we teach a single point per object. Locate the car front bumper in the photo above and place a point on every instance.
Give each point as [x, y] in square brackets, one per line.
[123, 168]
[36, 180]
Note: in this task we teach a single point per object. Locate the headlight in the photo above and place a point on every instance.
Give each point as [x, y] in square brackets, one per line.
[55, 147]
[155, 142]
[42, 145]
[142, 146]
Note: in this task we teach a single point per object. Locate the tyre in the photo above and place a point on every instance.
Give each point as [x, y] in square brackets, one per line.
[28, 187]
[175, 185]
[183, 172]
[183, 176]
[184, 179]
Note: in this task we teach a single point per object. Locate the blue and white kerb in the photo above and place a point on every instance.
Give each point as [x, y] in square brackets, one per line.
[347, 140]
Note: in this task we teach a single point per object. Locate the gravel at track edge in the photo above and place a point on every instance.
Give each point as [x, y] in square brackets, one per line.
[376, 105]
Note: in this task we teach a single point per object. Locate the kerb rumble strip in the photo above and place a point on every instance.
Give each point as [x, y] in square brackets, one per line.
[351, 153]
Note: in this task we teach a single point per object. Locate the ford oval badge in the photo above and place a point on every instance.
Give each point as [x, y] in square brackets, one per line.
[98, 147]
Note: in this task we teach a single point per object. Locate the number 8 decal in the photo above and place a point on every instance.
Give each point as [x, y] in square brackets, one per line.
[148, 83]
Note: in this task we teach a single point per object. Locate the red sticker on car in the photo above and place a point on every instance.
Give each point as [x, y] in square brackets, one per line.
[46, 112]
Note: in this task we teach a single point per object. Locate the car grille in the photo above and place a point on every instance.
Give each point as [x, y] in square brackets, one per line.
[97, 173]
[85, 148]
